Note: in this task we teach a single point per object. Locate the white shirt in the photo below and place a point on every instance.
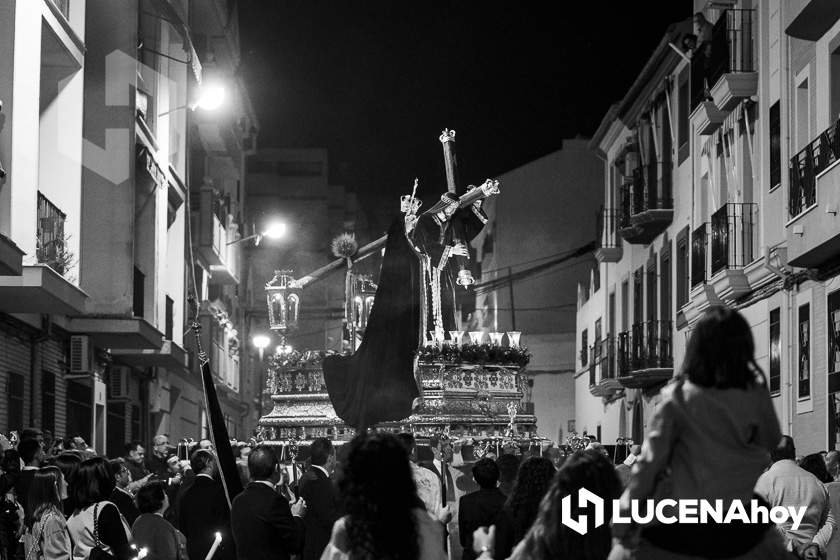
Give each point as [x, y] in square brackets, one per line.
[267, 483]
[322, 469]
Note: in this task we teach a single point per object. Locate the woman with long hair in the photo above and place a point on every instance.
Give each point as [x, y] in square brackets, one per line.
[549, 538]
[710, 439]
[533, 480]
[384, 520]
[815, 464]
[95, 518]
[68, 463]
[46, 535]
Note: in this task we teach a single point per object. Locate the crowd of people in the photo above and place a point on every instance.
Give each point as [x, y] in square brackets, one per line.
[714, 436]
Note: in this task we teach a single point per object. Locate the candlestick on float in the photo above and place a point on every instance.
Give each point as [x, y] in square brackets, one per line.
[216, 543]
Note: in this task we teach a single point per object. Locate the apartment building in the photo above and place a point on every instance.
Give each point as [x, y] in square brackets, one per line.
[95, 206]
[719, 190]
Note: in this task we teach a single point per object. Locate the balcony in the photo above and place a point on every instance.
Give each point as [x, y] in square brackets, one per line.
[609, 243]
[814, 236]
[646, 205]
[214, 238]
[645, 357]
[733, 247]
[603, 381]
[814, 20]
[723, 69]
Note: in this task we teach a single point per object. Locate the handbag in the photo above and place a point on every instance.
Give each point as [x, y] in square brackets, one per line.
[97, 552]
[36, 545]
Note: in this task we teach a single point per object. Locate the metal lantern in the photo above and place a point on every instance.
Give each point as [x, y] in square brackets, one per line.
[365, 291]
[283, 299]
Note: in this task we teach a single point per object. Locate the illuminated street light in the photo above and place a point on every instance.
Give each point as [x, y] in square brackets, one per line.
[261, 341]
[211, 97]
[275, 230]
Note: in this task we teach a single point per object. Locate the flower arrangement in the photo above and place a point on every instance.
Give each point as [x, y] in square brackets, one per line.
[295, 359]
[476, 354]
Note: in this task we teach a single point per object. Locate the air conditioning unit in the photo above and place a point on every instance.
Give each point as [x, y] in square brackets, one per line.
[118, 383]
[81, 354]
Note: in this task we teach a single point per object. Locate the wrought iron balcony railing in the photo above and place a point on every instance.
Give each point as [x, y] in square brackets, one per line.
[807, 164]
[608, 229]
[699, 241]
[733, 236]
[647, 346]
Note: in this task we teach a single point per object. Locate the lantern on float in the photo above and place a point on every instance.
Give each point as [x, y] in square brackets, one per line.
[365, 291]
[283, 299]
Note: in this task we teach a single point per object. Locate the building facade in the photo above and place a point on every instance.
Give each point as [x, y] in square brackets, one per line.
[532, 254]
[718, 191]
[94, 214]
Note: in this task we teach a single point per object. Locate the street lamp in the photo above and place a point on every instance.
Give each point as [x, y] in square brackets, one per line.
[275, 230]
[210, 97]
[261, 342]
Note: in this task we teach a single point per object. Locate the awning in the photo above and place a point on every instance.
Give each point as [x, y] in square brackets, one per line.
[169, 356]
[40, 289]
[11, 257]
[128, 333]
[170, 12]
[815, 19]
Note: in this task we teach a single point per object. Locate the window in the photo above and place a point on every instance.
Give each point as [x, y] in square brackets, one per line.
[665, 284]
[834, 332]
[682, 117]
[834, 78]
[139, 292]
[803, 114]
[682, 268]
[775, 146]
[611, 328]
[49, 236]
[638, 296]
[651, 291]
[48, 401]
[584, 348]
[169, 327]
[597, 341]
[775, 350]
[625, 304]
[804, 363]
[14, 392]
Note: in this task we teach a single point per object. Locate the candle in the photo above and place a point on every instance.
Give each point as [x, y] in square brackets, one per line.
[213, 548]
[496, 338]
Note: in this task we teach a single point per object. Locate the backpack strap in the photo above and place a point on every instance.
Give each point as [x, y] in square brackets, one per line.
[96, 541]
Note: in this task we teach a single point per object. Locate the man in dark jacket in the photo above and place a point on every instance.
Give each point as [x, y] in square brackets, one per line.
[264, 526]
[121, 497]
[204, 511]
[320, 495]
[480, 508]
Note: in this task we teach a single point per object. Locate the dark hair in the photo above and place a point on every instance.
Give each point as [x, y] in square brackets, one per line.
[151, 497]
[549, 537]
[320, 451]
[116, 465]
[434, 440]
[378, 489]
[94, 482]
[201, 460]
[29, 449]
[721, 352]
[407, 440]
[262, 463]
[815, 464]
[43, 495]
[30, 433]
[69, 464]
[486, 473]
[132, 446]
[784, 450]
[508, 465]
[532, 482]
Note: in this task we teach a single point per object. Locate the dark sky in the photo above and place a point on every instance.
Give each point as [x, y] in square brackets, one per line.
[376, 81]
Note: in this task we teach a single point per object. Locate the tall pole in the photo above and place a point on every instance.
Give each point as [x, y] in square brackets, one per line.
[512, 305]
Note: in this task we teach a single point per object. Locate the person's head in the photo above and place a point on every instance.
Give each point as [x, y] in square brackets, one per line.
[203, 462]
[205, 444]
[700, 20]
[550, 538]
[532, 482]
[410, 445]
[94, 482]
[380, 497]
[441, 448]
[46, 492]
[32, 433]
[832, 463]
[720, 352]
[689, 42]
[31, 452]
[508, 465]
[122, 476]
[173, 465]
[815, 464]
[152, 498]
[322, 453]
[135, 453]
[557, 457]
[486, 474]
[784, 450]
[160, 445]
[68, 463]
[263, 464]
[78, 443]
